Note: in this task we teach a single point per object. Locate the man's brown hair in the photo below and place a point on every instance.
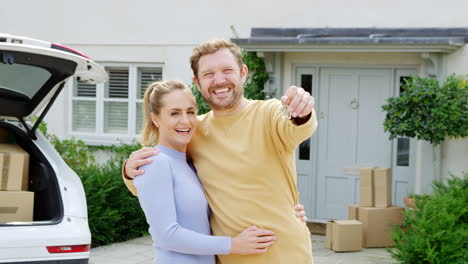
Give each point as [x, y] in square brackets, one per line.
[212, 46]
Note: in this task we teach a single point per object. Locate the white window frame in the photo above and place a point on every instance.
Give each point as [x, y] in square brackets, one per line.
[99, 137]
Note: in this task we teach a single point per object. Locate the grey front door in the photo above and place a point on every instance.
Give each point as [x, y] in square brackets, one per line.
[350, 134]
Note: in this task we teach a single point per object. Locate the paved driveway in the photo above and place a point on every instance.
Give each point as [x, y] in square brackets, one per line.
[139, 251]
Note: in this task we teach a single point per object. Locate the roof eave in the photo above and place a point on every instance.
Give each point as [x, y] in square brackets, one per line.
[310, 47]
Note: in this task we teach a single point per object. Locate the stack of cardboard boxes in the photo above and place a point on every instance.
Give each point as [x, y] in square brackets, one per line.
[374, 216]
[16, 202]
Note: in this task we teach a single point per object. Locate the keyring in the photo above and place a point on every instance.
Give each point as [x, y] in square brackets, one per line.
[285, 112]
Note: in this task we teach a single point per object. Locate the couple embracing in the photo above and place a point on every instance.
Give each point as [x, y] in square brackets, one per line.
[222, 187]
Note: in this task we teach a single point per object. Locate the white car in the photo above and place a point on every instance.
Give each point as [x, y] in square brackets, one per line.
[32, 74]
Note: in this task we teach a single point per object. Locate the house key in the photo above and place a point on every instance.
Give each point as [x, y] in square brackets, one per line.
[285, 112]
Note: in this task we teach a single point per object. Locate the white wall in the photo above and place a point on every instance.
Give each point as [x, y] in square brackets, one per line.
[455, 151]
[189, 22]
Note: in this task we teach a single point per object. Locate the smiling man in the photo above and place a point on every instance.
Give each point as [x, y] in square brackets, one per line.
[244, 154]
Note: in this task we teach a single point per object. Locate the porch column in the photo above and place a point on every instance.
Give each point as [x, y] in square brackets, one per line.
[274, 67]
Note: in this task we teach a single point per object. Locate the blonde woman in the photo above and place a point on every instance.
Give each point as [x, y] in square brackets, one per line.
[171, 194]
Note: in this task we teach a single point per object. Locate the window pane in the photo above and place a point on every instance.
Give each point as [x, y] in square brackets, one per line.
[403, 147]
[403, 82]
[117, 86]
[304, 147]
[115, 117]
[304, 150]
[83, 89]
[306, 82]
[139, 117]
[145, 77]
[84, 116]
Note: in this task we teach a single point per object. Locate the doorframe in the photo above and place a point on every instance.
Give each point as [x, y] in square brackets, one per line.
[315, 69]
[311, 195]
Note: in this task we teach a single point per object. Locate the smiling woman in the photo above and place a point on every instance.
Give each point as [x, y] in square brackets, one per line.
[169, 112]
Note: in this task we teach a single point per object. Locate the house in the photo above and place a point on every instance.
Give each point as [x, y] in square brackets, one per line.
[351, 55]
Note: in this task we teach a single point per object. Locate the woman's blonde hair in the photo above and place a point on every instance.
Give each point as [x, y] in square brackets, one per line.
[152, 103]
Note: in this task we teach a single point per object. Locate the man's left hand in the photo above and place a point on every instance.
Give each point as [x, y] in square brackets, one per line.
[300, 213]
[300, 103]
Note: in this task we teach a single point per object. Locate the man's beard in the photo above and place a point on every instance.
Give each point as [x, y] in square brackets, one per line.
[236, 95]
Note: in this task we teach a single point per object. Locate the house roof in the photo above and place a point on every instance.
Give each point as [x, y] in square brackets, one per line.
[355, 39]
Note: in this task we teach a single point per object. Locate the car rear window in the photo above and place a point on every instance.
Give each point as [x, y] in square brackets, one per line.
[22, 79]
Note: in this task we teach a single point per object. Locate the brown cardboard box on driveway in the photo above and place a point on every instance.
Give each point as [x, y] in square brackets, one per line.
[16, 206]
[353, 212]
[366, 186]
[14, 168]
[344, 235]
[377, 224]
[382, 187]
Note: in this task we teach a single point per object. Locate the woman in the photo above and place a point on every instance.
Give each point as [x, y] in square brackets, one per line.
[171, 195]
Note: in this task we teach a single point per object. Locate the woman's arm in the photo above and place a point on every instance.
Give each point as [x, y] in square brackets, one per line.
[156, 196]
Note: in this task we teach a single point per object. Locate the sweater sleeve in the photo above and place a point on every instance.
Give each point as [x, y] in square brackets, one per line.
[156, 196]
[285, 131]
[128, 183]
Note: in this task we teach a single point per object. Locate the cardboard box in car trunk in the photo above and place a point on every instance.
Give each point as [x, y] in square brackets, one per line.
[377, 224]
[344, 235]
[16, 206]
[14, 168]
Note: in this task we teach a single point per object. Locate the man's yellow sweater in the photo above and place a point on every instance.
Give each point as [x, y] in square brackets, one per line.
[246, 164]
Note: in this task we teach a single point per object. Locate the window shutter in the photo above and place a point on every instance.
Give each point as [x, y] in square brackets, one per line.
[84, 116]
[116, 117]
[145, 77]
[117, 86]
[83, 89]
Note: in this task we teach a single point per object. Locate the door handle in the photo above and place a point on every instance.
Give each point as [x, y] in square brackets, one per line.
[354, 103]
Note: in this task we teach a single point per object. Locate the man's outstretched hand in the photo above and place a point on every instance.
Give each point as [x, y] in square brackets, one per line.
[136, 160]
[299, 102]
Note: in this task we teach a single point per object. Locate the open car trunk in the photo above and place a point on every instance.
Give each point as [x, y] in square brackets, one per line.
[48, 207]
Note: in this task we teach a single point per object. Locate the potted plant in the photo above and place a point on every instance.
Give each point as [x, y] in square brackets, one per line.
[428, 111]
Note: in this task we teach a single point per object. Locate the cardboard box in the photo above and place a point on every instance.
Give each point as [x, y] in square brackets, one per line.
[377, 224]
[366, 182]
[353, 211]
[344, 235]
[14, 168]
[16, 206]
[382, 187]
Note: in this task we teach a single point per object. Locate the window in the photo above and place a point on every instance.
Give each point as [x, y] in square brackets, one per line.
[403, 143]
[304, 147]
[112, 111]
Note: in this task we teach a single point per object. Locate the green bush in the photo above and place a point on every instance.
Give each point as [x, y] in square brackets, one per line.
[114, 214]
[437, 231]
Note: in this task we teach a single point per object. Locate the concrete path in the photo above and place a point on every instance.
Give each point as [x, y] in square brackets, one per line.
[140, 251]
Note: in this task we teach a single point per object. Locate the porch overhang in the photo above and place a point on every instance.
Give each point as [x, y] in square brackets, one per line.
[426, 40]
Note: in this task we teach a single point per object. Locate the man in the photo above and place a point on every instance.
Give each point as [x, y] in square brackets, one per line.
[244, 154]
